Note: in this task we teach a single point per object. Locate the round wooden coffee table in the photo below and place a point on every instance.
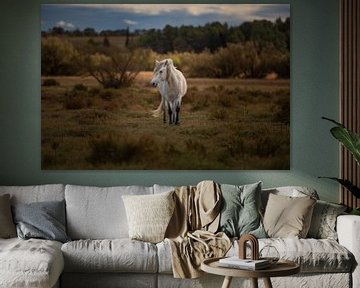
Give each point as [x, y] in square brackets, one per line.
[281, 268]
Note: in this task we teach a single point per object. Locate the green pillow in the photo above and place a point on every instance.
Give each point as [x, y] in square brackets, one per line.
[240, 212]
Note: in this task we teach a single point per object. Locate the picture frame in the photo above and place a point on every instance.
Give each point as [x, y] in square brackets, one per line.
[101, 86]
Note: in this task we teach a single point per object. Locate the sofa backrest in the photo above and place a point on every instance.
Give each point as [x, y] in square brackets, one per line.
[293, 191]
[98, 212]
[37, 193]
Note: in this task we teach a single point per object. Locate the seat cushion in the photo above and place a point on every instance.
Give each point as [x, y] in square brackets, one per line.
[108, 280]
[313, 255]
[30, 263]
[117, 255]
[98, 213]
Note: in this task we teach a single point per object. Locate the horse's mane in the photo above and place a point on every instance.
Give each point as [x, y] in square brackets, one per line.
[159, 64]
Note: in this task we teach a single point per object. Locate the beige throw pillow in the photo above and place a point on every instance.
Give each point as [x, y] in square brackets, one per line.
[288, 217]
[149, 215]
[7, 226]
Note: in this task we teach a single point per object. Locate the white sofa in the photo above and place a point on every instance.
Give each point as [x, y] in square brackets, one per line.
[101, 254]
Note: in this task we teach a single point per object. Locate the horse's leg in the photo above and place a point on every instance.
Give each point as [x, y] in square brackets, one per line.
[170, 114]
[164, 116]
[177, 119]
[164, 110]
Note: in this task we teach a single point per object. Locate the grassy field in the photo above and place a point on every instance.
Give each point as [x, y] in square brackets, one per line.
[225, 124]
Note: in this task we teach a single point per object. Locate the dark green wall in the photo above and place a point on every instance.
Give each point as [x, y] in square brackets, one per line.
[314, 93]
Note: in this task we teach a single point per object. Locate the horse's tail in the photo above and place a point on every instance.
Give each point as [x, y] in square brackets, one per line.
[157, 112]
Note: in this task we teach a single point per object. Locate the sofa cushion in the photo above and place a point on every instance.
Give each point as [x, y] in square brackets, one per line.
[7, 227]
[117, 255]
[313, 255]
[109, 280]
[43, 220]
[287, 216]
[98, 213]
[37, 193]
[323, 222]
[291, 191]
[149, 215]
[240, 210]
[30, 263]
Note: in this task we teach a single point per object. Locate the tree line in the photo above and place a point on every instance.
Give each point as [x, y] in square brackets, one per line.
[216, 35]
[250, 50]
[189, 38]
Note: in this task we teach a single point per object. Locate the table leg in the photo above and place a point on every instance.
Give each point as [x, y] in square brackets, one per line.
[267, 283]
[254, 282]
[227, 282]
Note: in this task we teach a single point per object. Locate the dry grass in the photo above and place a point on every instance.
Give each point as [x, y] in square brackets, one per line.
[225, 124]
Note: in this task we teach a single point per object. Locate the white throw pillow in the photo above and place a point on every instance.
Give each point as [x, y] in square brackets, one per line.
[149, 215]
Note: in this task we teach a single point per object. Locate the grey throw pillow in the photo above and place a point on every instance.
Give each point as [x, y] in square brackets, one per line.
[44, 220]
[323, 222]
[240, 213]
[7, 227]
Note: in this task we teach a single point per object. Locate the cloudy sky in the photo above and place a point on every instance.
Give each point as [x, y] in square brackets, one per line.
[140, 16]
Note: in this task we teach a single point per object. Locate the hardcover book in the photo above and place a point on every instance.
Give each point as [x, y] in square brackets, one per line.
[249, 264]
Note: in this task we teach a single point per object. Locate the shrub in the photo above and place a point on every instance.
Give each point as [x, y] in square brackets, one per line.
[80, 87]
[115, 69]
[50, 82]
[219, 114]
[58, 57]
[107, 94]
[76, 98]
[112, 149]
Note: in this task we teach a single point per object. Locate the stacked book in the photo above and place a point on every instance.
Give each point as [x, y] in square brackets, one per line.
[248, 264]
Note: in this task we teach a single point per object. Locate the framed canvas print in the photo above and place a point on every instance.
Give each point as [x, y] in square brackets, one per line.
[165, 86]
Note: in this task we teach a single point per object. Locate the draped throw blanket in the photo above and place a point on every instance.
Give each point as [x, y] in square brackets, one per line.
[191, 231]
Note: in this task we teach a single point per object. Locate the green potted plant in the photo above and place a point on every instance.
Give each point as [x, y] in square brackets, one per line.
[351, 141]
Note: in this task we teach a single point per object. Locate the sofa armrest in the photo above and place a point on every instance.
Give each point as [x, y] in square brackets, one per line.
[348, 230]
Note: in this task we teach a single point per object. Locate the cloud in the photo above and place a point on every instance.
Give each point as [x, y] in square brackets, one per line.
[65, 25]
[130, 22]
[240, 11]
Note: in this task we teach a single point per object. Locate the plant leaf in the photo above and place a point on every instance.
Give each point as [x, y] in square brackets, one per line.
[348, 138]
[347, 184]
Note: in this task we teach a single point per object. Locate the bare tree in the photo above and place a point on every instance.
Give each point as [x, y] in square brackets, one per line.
[118, 68]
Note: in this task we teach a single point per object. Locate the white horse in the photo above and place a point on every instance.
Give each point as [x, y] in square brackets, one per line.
[172, 86]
